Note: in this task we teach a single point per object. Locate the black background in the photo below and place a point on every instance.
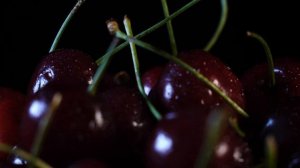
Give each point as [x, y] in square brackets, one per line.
[28, 28]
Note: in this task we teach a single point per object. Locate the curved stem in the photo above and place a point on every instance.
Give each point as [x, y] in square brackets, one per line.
[135, 60]
[234, 124]
[105, 61]
[186, 66]
[169, 27]
[271, 152]
[24, 155]
[213, 128]
[45, 123]
[64, 25]
[268, 54]
[154, 27]
[222, 22]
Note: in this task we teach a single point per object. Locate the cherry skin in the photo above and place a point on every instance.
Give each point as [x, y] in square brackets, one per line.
[151, 77]
[177, 142]
[11, 108]
[179, 91]
[133, 122]
[79, 127]
[261, 99]
[63, 67]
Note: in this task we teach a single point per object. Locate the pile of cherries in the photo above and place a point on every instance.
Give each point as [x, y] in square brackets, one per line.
[113, 126]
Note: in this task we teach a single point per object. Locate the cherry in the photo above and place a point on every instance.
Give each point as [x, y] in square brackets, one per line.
[11, 108]
[284, 125]
[267, 85]
[63, 67]
[177, 142]
[79, 127]
[179, 91]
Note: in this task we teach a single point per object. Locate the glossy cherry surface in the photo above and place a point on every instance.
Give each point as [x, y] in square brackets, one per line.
[11, 108]
[79, 127]
[63, 67]
[177, 142]
[179, 91]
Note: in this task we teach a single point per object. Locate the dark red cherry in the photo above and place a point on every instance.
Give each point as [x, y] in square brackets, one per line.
[258, 91]
[63, 67]
[151, 77]
[79, 128]
[133, 122]
[179, 91]
[284, 125]
[88, 163]
[177, 142]
[11, 108]
[261, 98]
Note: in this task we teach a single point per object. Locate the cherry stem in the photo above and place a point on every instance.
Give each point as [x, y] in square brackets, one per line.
[268, 54]
[64, 25]
[112, 26]
[222, 22]
[37, 162]
[234, 124]
[271, 152]
[135, 60]
[45, 123]
[214, 124]
[186, 66]
[169, 27]
[152, 28]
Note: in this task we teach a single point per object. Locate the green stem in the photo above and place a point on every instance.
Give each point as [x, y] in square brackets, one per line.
[154, 27]
[268, 54]
[271, 152]
[45, 123]
[234, 124]
[24, 155]
[105, 61]
[135, 60]
[64, 25]
[214, 125]
[222, 22]
[186, 66]
[169, 27]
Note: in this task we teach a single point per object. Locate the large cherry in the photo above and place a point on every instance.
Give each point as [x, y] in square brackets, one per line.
[11, 108]
[151, 77]
[63, 67]
[79, 127]
[179, 91]
[88, 163]
[177, 142]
